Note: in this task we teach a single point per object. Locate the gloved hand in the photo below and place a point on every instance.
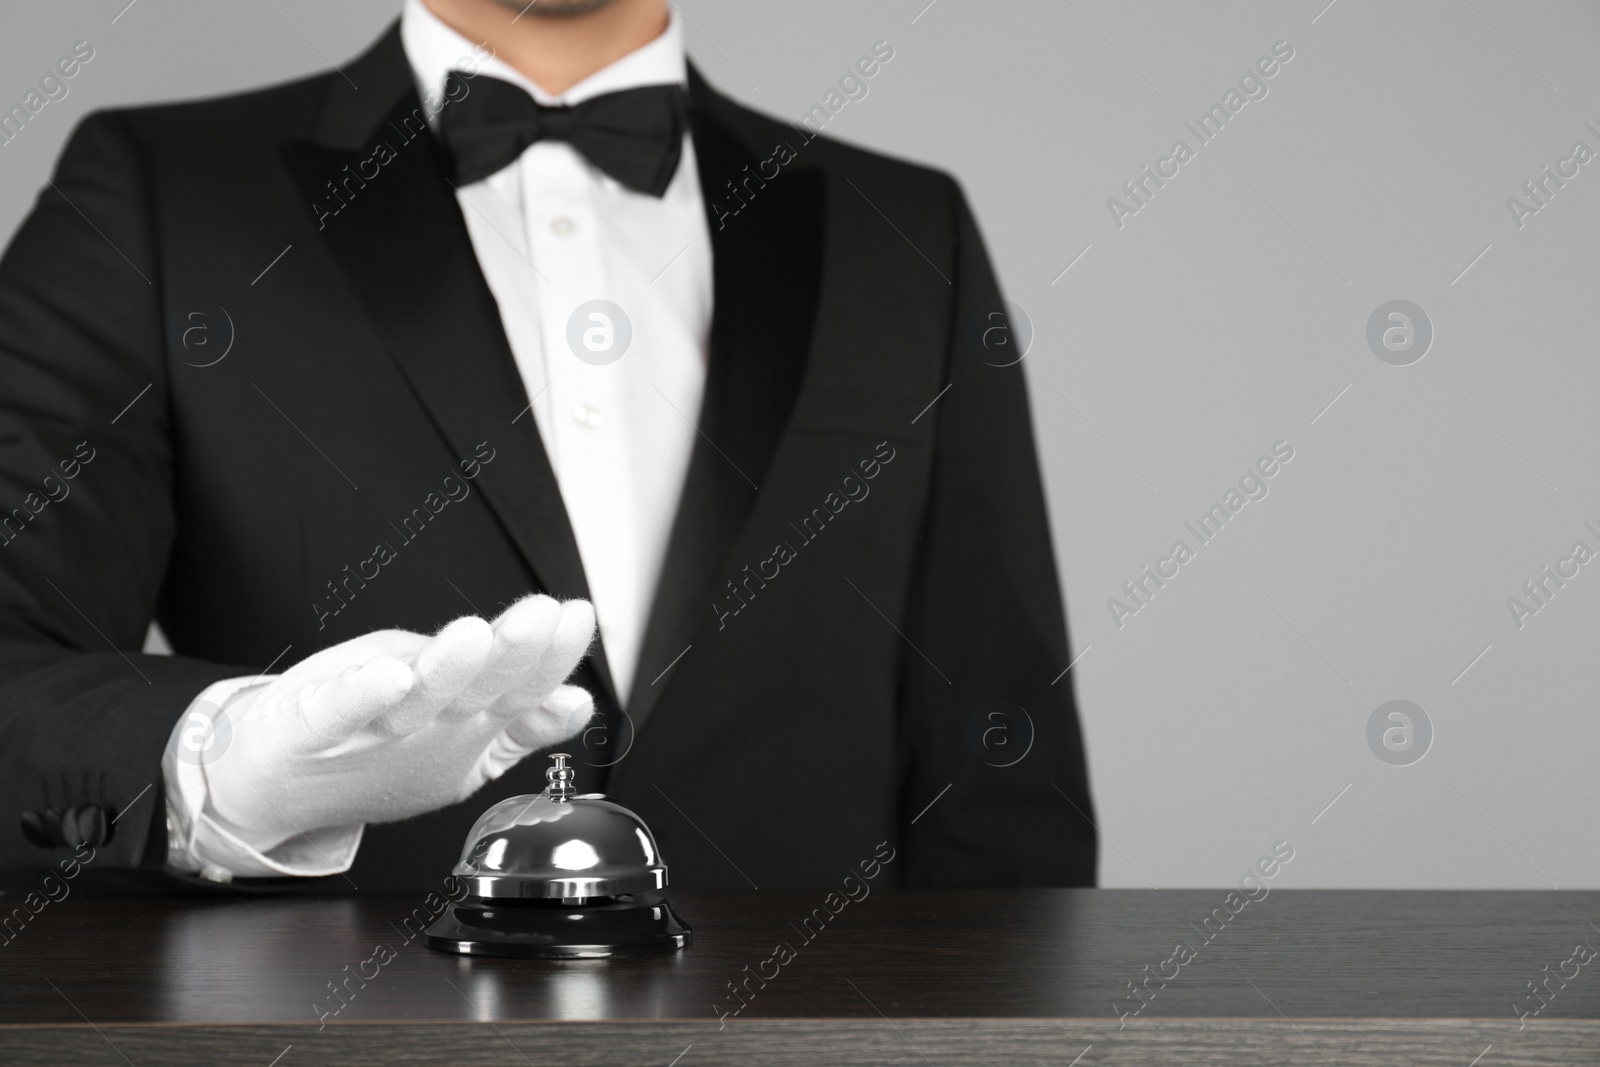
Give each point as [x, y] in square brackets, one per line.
[392, 724]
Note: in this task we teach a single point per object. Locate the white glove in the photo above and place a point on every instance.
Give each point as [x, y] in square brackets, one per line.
[393, 724]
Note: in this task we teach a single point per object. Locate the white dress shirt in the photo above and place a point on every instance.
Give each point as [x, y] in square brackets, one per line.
[552, 234]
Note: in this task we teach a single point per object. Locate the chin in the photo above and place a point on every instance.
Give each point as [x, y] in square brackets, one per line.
[555, 9]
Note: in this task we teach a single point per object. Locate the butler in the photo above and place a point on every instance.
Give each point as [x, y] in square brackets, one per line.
[370, 385]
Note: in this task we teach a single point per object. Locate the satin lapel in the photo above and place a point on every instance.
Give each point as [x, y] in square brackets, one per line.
[402, 242]
[767, 273]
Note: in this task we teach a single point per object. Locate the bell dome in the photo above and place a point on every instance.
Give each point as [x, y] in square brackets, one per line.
[560, 848]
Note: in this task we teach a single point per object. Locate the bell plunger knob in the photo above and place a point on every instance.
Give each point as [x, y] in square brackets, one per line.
[560, 778]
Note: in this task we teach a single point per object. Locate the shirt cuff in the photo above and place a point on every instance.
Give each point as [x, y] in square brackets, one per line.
[200, 840]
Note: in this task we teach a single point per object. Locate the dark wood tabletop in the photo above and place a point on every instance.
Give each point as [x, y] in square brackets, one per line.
[899, 977]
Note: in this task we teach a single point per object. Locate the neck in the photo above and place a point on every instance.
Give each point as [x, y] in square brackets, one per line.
[555, 52]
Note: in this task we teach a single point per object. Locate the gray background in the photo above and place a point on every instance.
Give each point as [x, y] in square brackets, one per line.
[1222, 318]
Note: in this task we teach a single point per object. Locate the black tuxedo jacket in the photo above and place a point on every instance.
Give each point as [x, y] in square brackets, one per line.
[857, 573]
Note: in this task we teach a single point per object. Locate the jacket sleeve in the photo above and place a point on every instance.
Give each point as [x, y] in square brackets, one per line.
[86, 519]
[995, 721]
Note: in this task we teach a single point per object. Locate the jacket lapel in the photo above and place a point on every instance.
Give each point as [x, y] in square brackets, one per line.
[403, 244]
[766, 242]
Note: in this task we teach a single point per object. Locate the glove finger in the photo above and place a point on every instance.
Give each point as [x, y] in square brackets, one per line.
[445, 666]
[564, 714]
[521, 634]
[569, 643]
[333, 709]
[573, 638]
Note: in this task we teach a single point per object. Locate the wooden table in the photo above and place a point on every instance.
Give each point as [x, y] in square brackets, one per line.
[900, 977]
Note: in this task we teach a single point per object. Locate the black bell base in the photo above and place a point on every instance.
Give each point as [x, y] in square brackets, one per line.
[551, 930]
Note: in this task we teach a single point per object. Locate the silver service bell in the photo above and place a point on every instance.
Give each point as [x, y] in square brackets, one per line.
[557, 875]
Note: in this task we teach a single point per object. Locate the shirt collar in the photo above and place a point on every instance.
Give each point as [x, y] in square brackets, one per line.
[434, 50]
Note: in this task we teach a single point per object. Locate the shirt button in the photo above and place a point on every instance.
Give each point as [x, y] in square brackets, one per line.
[586, 415]
[562, 225]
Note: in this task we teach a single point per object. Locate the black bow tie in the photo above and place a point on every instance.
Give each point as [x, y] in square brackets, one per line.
[635, 136]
